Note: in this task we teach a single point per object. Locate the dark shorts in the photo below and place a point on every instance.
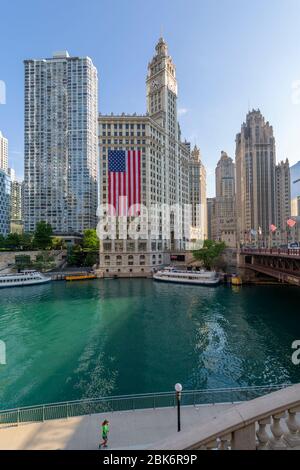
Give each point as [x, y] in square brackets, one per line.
[104, 437]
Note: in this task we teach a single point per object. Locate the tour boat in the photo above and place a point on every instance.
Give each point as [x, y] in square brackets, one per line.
[202, 278]
[24, 278]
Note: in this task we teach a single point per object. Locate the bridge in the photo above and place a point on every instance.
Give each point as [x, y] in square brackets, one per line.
[278, 263]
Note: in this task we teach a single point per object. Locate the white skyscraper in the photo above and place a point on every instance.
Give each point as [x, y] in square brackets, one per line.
[61, 103]
[164, 171]
[3, 153]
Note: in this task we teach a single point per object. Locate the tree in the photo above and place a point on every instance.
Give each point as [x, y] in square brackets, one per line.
[90, 240]
[58, 243]
[2, 241]
[75, 256]
[12, 241]
[210, 254]
[42, 235]
[91, 259]
[26, 241]
[44, 261]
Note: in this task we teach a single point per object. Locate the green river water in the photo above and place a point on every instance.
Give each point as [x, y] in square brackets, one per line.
[110, 337]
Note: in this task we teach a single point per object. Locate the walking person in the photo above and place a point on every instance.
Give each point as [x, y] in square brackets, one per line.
[105, 431]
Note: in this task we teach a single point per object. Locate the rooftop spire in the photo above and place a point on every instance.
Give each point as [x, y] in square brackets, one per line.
[161, 47]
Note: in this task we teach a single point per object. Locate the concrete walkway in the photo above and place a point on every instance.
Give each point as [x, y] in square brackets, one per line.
[128, 429]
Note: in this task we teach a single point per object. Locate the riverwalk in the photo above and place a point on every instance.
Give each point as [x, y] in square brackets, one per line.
[139, 429]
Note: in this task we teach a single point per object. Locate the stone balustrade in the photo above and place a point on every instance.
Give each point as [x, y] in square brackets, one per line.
[268, 422]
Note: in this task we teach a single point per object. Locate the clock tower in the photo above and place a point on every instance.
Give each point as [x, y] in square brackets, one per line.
[162, 90]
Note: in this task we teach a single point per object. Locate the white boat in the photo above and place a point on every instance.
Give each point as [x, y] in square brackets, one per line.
[24, 278]
[202, 278]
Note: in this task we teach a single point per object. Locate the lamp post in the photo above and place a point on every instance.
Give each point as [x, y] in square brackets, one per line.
[178, 390]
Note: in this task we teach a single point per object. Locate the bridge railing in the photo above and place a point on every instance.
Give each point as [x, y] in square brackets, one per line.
[89, 406]
[294, 252]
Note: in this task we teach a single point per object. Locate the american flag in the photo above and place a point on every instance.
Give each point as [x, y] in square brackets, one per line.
[291, 223]
[124, 181]
[273, 228]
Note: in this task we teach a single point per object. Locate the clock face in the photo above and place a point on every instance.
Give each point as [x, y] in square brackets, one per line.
[172, 86]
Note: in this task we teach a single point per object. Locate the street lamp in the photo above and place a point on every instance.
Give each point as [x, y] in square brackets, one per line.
[178, 390]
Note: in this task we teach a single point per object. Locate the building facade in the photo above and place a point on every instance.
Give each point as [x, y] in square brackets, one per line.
[197, 188]
[16, 203]
[255, 179]
[164, 174]
[3, 153]
[60, 176]
[295, 188]
[283, 199]
[210, 204]
[225, 176]
[5, 188]
[224, 217]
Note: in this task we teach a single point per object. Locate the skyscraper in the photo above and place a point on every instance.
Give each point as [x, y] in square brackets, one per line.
[3, 153]
[164, 172]
[224, 218]
[255, 178]
[210, 202]
[4, 203]
[61, 143]
[295, 189]
[283, 198]
[197, 188]
[225, 176]
[16, 209]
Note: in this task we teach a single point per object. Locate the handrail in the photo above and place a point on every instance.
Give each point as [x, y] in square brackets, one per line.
[236, 418]
[292, 252]
[131, 402]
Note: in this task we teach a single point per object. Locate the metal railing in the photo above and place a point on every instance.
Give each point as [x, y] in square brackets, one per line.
[40, 413]
[292, 252]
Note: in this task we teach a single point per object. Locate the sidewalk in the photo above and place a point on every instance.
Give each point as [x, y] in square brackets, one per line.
[128, 429]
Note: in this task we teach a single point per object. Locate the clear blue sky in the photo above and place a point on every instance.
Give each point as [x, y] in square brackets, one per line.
[230, 55]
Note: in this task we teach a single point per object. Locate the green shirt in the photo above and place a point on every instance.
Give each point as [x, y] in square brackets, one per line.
[105, 430]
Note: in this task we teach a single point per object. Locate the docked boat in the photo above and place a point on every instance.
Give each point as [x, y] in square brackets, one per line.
[202, 278]
[81, 277]
[24, 278]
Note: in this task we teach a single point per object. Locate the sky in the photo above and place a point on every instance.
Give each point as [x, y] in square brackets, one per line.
[230, 56]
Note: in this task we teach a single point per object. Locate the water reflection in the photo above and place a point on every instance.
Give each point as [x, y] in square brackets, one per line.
[68, 341]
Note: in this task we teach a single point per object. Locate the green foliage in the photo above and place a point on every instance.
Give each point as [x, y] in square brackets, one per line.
[44, 261]
[42, 235]
[58, 243]
[2, 241]
[26, 241]
[210, 254]
[16, 241]
[23, 262]
[75, 256]
[13, 241]
[91, 259]
[90, 240]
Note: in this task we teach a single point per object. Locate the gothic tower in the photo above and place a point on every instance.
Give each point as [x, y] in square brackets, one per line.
[162, 90]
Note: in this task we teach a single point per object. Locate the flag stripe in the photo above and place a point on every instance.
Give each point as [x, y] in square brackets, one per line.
[124, 180]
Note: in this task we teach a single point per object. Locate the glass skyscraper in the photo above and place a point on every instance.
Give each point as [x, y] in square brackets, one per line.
[61, 106]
